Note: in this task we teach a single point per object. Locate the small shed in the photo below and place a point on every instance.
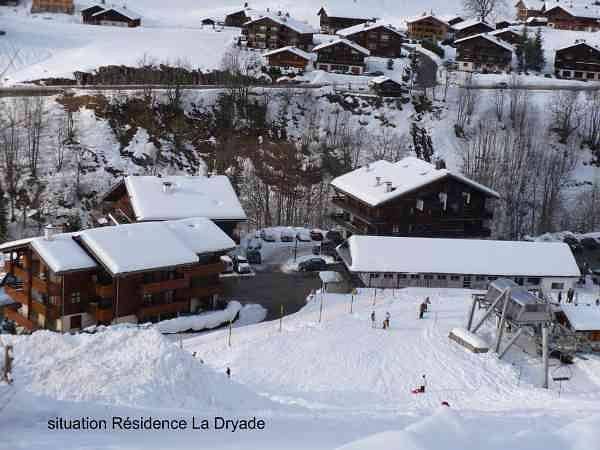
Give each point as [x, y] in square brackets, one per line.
[583, 319]
[387, 87]
[468, 340]
[333, 282]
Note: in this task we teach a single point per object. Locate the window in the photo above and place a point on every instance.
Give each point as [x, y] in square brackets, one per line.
[467, 197]
[467, 282]
[388, 275]
[441, 277]
[401, 275]
[443, 200]
[414, 276]
[147, 298]
[492, 278]
[169, 295]
[590, 75]
[420, 204]
[75, 297]
[578, 74]
[396, 228]
[374, 275]
[558, 286]
[428, 277]
[454, 277]
[520, 281]
[534, 281]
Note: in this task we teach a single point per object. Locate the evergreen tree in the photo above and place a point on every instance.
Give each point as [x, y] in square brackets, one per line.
[520, 50]
[538, 60]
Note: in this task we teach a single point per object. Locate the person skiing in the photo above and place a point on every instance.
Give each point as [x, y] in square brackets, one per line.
[570, 294]
[228, 372]
[427, 303]
[373, 319]
[423, 385]
[559, 296]
[422, 309]
[386, 322]
[598, 302]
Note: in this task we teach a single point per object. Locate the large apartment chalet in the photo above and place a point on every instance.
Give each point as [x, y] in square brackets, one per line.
[428, 27]
[579, 61]
[564, 16]
[150, 199]
[333, 19]
[380, 39]
[276, 30]
[483, 52]
[341, 55]
[52, 6]
[128, 273]
[529, 8]
[411, 198]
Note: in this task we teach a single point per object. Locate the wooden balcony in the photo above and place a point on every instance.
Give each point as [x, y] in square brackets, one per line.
[19, 295]
[20, 320]
[19, 272]
[204, 270]
[161, 286]
[104, 290]
[45, 286]
[165, 308]
[199, 292]
[49, 311]
[100, 313]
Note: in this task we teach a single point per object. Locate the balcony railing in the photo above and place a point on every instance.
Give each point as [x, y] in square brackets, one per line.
[18, 295]
[164, 308]
[45, 286]
[199, 292]
[14, 315]
[104, 290]
[100, 313]
[48, 310]
[204, 270]
[167, 285]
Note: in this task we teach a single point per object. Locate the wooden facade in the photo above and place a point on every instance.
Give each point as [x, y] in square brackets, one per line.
[580, 61]
[507, 35]
[267, 33]
[388, 88]
[330, 24]
[114, 17]
[52, 6]
[467, 212]
[78, 299]
[287, 59]
[381, 40]
[87, 14]
[564, 19]
[428, 27]
[476, 28]
[341, 56]
[529, 8]
[236, 19]
[483, 53]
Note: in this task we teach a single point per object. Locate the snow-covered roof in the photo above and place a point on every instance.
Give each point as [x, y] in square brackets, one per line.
[427, 16]
[290, 48]
[153, 245]
[382, 79]
[282, 19]
[122, 10]
[576, 44]
[490, 38]
[367, 26]
[347, 42]
[536, 19]
[6, 246]
[582, 317]
[458, 256]
[188, 196]
[345, 12]
[62, 253]
[579, 10]
[329, 276]
[469, 23]
[405, 175]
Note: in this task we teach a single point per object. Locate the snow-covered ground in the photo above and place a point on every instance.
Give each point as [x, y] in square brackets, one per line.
[318, 385]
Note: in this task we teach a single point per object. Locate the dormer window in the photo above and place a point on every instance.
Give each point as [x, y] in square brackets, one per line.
[420, 204]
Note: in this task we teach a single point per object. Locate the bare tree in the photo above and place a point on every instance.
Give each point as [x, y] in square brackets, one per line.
[591, 122]
[566, 114]
[482, 9]
[34, 124]
[499, 100]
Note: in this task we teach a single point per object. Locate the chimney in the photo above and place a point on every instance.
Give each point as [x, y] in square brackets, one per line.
[279, 13]
[377, 181]
[287, 14]
[367, 167]
[388, 186]
[167, 187]
[246, 5]
[49, 232]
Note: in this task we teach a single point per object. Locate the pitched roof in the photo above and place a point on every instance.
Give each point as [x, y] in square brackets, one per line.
[492, 39]
[428, 16]
[577, 44]
[577, 10]
[188, 196]
[122, 10]
[458, 256]
[405, 175]
[154, 245]
[345, 12]
[282, 19]
[290, 48]
[367, 26]
[582, 317]
[471, 23]
[337, 41]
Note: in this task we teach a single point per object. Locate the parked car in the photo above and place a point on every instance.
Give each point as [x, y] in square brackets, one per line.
[573, 243]
[254, 257]
[254, 244]
[268, 236]
[590, 243]
[316, 235]
[287, 236]
[502, 85]
[312, 264]
[335, 237]
[240, 264]
[316, 250]
[303, 236]
[226, 259]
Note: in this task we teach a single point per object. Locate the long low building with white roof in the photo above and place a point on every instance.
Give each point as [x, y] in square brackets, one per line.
[397, 262]
[127, 273]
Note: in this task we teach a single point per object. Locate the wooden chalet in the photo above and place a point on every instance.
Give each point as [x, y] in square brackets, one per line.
[131, 273]
[112, 16]
[52, 6]
[483, 53]
[411, 198]
[576, 18]
[341, 55]
[209, 22]
[453, 20]
[471, 27]
[336, 19]
[289, 58]
[387, 87]
[428, 27]
[150, 199]
[239, 17]
[381, 40]
[88, 13]
[583, 320]
[507, 35]
[503, 24]
[270, 30]
[579, 61]
[529, 8]
[537, 21]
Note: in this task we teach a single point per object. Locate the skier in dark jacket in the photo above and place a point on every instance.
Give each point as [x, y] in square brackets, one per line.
[373, 319]
[422, 309]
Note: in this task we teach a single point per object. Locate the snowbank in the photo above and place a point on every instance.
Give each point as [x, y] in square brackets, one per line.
[200, 322]
[249, 314]
[121, 366]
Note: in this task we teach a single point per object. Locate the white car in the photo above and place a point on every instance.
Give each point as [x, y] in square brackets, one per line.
[244, 267]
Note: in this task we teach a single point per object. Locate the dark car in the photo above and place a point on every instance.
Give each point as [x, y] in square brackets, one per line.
[254, 257]
[287, 236]
[316, 235]
[312, 264]
[267, 236]
[335, 237]
[573, 243]
[590, 243]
